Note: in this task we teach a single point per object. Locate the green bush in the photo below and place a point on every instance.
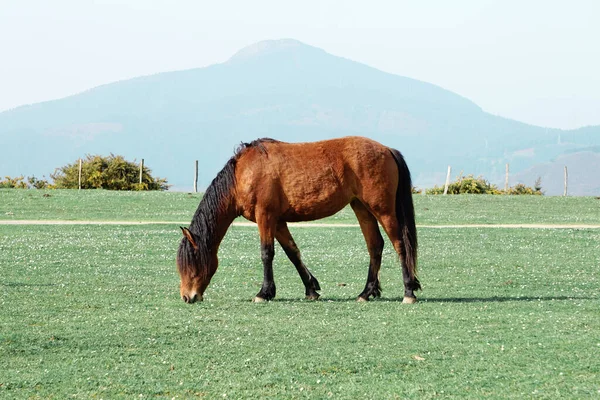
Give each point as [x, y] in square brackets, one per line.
[37, 183]
[13, 183]
[467, 184]
[522, 189]
[471, 185]
[111, 173]
[19, 183]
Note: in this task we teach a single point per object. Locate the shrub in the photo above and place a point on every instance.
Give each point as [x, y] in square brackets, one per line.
[37, 183]
[470, 184]
[13, 183]
[112, 173]
[467, 184]
[520, 188]
[20, 183]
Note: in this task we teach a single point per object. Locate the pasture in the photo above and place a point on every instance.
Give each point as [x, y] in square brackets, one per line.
[176, 207]
[93, 311]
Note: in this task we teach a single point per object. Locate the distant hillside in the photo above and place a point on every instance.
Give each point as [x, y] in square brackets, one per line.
[583, 170]
[286, 90]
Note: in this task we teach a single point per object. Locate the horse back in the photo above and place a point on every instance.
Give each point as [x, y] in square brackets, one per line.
[308, 181]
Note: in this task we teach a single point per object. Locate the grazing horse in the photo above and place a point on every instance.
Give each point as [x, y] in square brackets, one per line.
[272, 183]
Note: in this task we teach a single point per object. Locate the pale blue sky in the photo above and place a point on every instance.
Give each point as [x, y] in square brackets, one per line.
[531, 60]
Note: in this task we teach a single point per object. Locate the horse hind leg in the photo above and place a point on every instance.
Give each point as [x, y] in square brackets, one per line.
[392, 228]
[372, 235]
[285, 239]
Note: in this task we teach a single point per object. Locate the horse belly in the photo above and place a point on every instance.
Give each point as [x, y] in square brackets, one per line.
[314, 198]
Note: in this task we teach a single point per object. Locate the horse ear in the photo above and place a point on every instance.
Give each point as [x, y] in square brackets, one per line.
[188, 235]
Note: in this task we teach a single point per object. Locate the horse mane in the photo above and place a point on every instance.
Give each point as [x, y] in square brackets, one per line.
[257, 144]
[215, 201]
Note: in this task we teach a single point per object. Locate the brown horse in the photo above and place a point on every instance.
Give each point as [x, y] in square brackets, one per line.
[273, 183]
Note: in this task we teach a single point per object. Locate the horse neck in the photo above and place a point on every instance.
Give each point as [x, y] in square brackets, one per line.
[225, 220]
[212, 223]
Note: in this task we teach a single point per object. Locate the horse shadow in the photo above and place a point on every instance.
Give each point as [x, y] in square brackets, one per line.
[502, 299]
[466, 300]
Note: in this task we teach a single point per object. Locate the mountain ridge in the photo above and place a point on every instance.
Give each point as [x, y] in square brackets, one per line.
[283, 89]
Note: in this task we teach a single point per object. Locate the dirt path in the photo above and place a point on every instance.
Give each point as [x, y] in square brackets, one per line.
[301, 224]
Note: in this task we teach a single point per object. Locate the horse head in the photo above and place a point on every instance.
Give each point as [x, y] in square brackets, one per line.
[196, 267]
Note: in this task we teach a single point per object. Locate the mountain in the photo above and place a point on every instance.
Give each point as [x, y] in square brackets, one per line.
[583, 169]
[289, 91]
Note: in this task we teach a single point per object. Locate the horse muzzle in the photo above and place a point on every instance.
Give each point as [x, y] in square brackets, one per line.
[191, 298]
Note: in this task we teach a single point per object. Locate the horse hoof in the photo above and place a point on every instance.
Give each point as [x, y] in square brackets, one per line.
[409, 300]
[362, 300]
[258, 300]
[313, 297]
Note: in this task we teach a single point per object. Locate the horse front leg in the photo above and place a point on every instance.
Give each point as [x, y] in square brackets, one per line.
[285, 239]
[266, 229]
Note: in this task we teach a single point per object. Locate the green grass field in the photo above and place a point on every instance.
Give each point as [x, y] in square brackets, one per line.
[99, 205]
[93, 311]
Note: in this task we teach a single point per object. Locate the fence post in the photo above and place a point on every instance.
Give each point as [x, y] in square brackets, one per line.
[447, 180]
[141, 170]
[566, 181]
[196, 178]
[506, 181]
[80, 167]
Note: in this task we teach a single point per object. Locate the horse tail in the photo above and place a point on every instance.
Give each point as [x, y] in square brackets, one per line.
[405, 212]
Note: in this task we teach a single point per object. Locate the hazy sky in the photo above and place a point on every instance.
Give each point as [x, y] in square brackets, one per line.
[534, 61]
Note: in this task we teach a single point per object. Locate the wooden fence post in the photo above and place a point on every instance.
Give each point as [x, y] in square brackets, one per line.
[141, 170]
[80, 168]
[506, 181]
[196, 178]
[566, 181]
[447, 180]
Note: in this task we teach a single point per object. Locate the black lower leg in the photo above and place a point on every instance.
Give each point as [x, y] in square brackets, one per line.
[410, 285]
[311, 284]
[372, 288]
[267, 291]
